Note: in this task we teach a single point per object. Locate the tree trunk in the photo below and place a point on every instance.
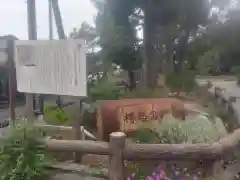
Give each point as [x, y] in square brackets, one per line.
[132, 80]
[149, 38]
[181, 51]
[168, 63]
[169, 37]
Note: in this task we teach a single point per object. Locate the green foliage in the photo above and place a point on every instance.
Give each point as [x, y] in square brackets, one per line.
[209, 61]
[106, 89]
[117, 35]
[171, 133]
[221, 38]
[55, 116]
[198, 130]
[238, 79]
[201, 129]
[22, 156]
[182, 82]
[146, 93]
[235, 70]
[143, 135]
[220, 126]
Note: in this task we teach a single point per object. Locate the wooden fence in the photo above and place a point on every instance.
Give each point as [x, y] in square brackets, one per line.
[119, 150]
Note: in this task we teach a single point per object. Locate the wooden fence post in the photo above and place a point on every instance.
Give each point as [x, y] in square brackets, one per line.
[77, 130]
[211, 168]
[116, 146]
[11, 81]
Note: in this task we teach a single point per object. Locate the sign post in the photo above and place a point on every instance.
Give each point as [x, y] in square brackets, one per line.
[12, 80]
[7, 53]
[32, 35]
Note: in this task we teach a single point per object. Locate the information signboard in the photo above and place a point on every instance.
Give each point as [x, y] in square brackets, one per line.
[51, 67]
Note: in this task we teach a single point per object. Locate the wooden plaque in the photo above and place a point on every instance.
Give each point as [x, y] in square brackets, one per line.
[132, 117]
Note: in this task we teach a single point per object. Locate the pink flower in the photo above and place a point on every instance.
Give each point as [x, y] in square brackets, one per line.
[195, 177]
[150, 178]
[131, 177]
[162, 175]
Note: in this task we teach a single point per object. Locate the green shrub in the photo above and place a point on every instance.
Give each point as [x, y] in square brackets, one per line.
[22, 156]
[220, 127]
[198, 130]
[104, 90]
[201, 129]
[235, 70]
[55, 116]
[182, 82]
[238, 79]
[146, 93]
[170, 132]
[143, 135]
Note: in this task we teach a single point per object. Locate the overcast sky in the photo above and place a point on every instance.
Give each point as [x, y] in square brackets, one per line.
[13, 16]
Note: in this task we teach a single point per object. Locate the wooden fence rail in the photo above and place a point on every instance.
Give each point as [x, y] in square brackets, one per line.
[47, 127]
[119, 150]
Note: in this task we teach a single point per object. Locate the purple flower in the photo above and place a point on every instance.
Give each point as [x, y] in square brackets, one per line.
[131, 177]
[160, 176]
[195, 177]
[150, 178]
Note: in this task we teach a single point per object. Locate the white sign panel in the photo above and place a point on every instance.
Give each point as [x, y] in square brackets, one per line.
[51, 67]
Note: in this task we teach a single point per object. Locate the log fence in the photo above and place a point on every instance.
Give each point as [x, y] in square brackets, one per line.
[119, 150]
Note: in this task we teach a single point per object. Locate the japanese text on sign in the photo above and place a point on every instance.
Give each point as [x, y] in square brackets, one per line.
[141, 116]
[133, 116]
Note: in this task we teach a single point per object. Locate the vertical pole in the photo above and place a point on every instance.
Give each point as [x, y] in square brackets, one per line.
[41, 97]
[50, 19]
[61, 33]
[58, 19]
[12, 81]
[116, 146]
[41, 107]
[32, 35]
[77, 130]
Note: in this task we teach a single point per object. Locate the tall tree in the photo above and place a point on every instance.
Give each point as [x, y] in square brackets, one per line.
[186, 14]
[220, 37]
[87, 33]
[118, 41]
